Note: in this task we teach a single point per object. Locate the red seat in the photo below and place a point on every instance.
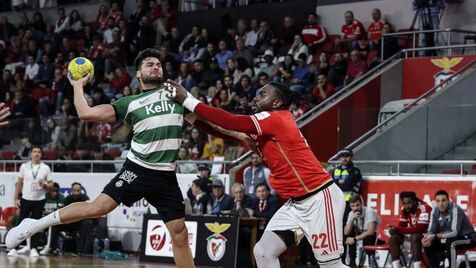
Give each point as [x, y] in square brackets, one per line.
[50, 155]
[7, 155]
[114, 153]
[328, 45]
[454, 171]
[370, 249]
[38, 93]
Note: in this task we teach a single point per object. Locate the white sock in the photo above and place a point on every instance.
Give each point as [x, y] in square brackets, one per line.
[396, 264]
[47, 221]
[417, 264]
[28, 243]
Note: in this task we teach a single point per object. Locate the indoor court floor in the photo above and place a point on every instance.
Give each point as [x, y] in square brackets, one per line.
[72, 262]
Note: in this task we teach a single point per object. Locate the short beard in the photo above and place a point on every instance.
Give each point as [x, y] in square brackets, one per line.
[151, 80]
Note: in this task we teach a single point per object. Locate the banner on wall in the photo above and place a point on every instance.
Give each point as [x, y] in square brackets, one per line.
[382, 193]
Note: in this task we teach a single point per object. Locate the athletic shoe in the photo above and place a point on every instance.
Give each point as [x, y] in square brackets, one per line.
[18, 234]
[12, 253]
[24, 250]
[34, 253]
[45, 251]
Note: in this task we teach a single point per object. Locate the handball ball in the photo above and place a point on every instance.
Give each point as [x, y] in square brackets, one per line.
[79, 68]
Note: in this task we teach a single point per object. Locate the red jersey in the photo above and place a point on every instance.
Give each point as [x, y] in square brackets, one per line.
[313, 34]
[415, 223]
[295, 171]
[356, 28]
[375, 30]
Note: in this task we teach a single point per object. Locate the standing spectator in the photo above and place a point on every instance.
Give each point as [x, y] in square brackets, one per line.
[33, 180]
[223, 54]
[352, 31]
[356, 68]
[362, 224]
[220, 200]
[428, 19]
[322, 90]
[448, 223]
[313, 33]
[255, 174]
[414, 221]
[241, 200]
[297, 48]
[252, 35]
[199, 204]
[375, 29]
[264, 205]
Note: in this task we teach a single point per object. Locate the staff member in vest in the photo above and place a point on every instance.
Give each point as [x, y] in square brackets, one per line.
[255, 175]
[33, 181]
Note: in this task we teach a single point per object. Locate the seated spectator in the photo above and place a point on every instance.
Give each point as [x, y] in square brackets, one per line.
[414, 220]
[51, 134]
[242, 68]
[286, 34]
[241, 200]
[32, 68]
[75, 23]
[264, 205]
[448, 223]
[46, 72]
[375, 29]
[222, 100]
[199, 204]
[264, 40]
[119, 79]
[297, 109]
[185, 167]
[322, 64]
[255, 175]
[214, 147]
[195, 144]
[338, 71]
[209, 53]
[362, 224]
[356, 68]
[62, 22]
[83, 228]
[390, 46]
[54, 199]
[323, 89]
[67, 135]
[313, 33]
[22, 106]
[192, 44]
[270, 68]
[25, 149]
[223, 55]
[352, 31]
[301, 76]
[242, 52]
[285, 70]
[244, 88]
[298, 47]
[252, 35]
[220, 201]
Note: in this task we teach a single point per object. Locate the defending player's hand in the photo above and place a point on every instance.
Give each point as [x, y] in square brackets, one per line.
[4, 113]
[176, 91]
[80, 82]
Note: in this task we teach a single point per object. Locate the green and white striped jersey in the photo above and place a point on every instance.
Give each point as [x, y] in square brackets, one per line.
[156, 126]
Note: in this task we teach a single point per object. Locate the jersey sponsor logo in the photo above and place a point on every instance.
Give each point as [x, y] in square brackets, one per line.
[127, 176]
[160, 107]
[262, 115]
[216, 245]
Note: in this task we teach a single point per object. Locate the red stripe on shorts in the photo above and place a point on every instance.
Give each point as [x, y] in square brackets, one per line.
[328, 221]
[334, 236]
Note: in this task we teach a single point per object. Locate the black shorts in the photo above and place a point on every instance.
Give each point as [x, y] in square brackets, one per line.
[159, 188]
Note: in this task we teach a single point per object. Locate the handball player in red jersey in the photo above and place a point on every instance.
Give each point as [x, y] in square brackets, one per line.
[315, 205]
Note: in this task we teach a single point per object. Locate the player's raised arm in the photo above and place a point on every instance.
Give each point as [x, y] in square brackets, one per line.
[4, 113]
[99, 113]
[219, 117]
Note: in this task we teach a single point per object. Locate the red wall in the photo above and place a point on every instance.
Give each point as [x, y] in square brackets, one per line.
[344, 122]
[419, 74]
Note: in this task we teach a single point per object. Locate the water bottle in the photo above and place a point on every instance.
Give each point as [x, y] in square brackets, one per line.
[209, 209]
[60, 246]
[96, 247]
[106, 244]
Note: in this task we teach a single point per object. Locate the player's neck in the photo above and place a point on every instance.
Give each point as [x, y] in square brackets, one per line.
[35, 162]
[147, 87]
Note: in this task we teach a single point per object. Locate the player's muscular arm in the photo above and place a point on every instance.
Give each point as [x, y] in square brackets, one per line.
[221, 118]
[99, 113]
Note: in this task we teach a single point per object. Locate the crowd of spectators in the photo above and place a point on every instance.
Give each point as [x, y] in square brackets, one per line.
[224, 71]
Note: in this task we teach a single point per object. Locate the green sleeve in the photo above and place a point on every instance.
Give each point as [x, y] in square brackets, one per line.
[121, 106]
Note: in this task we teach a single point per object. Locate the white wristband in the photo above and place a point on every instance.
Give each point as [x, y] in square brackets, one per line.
[190, 103]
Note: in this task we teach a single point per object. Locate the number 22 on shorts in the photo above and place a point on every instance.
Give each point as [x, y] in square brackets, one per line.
[319, 241]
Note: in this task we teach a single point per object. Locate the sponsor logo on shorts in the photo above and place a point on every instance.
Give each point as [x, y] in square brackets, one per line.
[119, 183]
[158, 237]
[216, 245]
[127, 176]
[324, 253]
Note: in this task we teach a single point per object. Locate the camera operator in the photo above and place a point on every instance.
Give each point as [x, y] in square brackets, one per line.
[429, 13]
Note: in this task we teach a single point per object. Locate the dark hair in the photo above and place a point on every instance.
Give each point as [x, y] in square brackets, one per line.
[146, 53]
[442, 192]
[284, 94]
[76, 183]
[199, 183]
[355, 198]
[408, 194]
[262, 184]
[36, 146]
[56, 185]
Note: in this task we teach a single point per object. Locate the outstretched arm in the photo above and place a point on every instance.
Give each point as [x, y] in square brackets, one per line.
[219, 117]
[99, 113]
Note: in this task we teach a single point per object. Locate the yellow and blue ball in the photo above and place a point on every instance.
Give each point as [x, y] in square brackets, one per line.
[79, 68]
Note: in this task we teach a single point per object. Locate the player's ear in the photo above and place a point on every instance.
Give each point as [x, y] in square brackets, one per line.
[277, 104]
[138, 75]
